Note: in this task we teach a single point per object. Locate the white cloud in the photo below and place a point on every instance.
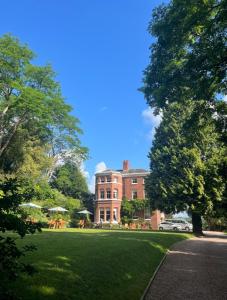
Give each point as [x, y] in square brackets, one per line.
[83, 171]
[151, 120]
[225, 98]
[101, 166]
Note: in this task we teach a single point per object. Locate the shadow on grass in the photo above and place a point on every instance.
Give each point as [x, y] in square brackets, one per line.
[93, 264]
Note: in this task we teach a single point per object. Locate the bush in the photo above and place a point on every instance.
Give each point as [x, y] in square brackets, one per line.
[11, 195]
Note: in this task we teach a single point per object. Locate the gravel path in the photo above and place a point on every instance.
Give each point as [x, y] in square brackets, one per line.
[193, 269]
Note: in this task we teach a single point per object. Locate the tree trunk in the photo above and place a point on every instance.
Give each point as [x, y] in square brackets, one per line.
[197, 223]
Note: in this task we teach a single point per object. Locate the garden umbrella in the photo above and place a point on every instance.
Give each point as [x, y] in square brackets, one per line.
[30, 205]
[58, 209]
[85, 212]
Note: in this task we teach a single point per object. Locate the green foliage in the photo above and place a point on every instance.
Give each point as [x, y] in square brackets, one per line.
[12, 193]
[185, 161]
[127, 208]
[10, 265]
[36, 132]
[188, 63]
[70, 181]
[58, 199]
[139, 204]
[32, 108]
[188, 57]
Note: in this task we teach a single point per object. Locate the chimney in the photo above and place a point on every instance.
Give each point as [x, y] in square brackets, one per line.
[125, 165]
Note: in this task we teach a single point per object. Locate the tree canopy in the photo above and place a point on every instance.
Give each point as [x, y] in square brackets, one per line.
[186, 161]
[188, 57]
[185, 81]
[37, 131]
[70, 181]
[32, 107]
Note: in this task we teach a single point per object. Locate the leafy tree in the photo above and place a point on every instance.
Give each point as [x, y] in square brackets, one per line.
[127, 208]
[36, 132]
[139, 204]
[188, 63]
[32, 106]
[11, 195]
[58, 199]
[70, 181]
[185, 163]
[130, 207]
[188, 57]
[87, 200]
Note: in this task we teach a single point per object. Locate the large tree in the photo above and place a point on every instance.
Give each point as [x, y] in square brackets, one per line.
[186, 159]
[69, 180]
[32, 108]
[188, 57]
[188, 63]
[36, 132]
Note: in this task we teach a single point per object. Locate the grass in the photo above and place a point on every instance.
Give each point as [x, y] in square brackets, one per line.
[92, 264]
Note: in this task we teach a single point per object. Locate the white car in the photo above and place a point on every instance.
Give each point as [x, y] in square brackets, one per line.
[183, 224]
[169, 226]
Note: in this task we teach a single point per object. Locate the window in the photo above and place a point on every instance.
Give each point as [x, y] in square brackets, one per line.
[115, 179]
[147, 213]
[108, 215]
[102, 194]
[101, 215]
[108, 179]
[134, 180]
[134, 194]
[108, 194]
[115, 194]
[115, 214]
[102, 179]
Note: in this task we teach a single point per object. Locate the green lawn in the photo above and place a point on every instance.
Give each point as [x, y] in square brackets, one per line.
[93, 264]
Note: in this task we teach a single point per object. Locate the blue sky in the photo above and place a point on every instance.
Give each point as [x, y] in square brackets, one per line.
[99, 49]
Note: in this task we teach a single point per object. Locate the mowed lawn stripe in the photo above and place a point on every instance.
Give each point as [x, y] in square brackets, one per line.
[92, 264]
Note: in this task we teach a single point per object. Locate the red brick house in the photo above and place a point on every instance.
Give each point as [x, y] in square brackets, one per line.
[112, 185]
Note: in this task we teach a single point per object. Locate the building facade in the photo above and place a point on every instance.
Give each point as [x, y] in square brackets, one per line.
[112, 185]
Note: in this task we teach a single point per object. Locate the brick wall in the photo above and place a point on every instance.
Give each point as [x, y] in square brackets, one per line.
[129, 187]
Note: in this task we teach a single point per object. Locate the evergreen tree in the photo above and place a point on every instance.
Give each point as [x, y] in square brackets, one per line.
[185, 162]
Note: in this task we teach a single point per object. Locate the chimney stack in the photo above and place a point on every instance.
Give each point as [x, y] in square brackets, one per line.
[125, 165]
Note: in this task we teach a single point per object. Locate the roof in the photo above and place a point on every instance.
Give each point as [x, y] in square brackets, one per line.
[124, 173]
[135, 171]
[108, 171]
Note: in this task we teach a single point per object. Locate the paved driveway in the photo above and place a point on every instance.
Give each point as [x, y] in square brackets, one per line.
[194, 269]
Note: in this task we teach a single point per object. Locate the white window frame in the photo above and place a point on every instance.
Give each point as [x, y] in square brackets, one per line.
[108, 191]
[115, 194]
[134, 178]
[101, 210]
[102, 191]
